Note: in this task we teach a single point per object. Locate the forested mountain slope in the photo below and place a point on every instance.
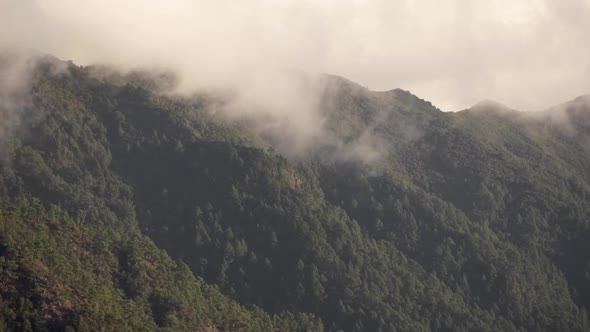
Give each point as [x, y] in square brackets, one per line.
[73, 257]
[407, 218]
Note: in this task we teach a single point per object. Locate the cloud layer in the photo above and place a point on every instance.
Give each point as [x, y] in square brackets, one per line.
[528, 54]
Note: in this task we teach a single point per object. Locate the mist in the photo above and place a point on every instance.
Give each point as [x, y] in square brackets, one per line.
[525, 54]
[15, 76]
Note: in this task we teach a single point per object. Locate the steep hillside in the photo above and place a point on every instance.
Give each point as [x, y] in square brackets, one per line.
[72, 253]
[405, 218]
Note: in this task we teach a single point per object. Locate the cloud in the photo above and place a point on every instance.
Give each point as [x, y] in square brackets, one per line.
[527, 54]
[15, 76]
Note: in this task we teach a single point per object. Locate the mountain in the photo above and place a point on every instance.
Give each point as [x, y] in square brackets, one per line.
[490, 106]
[125, 209]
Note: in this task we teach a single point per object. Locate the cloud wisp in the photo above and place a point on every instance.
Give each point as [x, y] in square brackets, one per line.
[527, 54]
[15, 76]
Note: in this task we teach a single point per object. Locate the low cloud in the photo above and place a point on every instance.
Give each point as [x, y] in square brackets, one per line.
[571, 119]
[527, 54]
[15, 77]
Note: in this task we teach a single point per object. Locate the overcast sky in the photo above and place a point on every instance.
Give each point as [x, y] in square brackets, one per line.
[528, 54]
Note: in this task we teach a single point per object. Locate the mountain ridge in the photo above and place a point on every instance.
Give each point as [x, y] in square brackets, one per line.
[461, 221]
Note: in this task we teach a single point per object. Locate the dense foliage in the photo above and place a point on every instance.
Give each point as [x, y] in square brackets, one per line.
[476, 220]
[72, 256]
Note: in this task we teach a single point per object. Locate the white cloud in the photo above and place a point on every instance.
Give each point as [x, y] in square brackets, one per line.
[527, 54]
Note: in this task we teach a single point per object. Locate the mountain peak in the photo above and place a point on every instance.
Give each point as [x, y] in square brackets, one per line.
[489, 105]
[577, 103]
[585, 99]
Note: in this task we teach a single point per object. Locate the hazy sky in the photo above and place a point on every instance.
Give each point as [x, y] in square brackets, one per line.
[528, 54]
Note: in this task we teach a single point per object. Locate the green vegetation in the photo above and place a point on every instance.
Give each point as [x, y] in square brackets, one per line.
[477, 220]
[64, 273]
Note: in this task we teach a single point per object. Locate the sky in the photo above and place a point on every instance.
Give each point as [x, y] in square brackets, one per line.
[527, 54]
